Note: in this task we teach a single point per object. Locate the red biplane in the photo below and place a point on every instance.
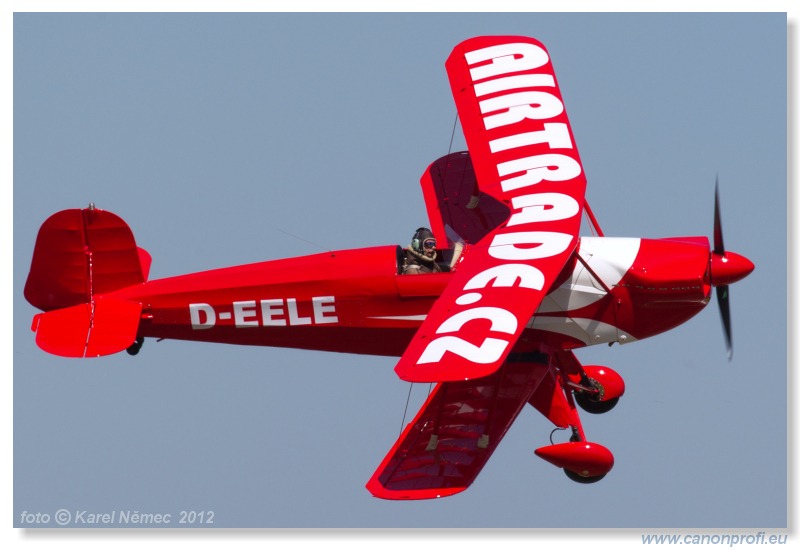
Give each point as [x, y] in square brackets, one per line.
[495, 329]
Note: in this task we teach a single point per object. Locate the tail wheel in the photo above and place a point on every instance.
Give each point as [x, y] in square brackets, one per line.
[136, 346]
[592, 403]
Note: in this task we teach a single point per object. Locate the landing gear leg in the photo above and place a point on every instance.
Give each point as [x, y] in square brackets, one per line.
[582, 461]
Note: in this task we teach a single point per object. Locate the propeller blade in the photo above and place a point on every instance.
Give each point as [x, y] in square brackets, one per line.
[723, 300]
[719, 246]
[725, 269]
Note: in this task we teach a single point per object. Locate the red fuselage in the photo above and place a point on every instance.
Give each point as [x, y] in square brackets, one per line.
[355, 301]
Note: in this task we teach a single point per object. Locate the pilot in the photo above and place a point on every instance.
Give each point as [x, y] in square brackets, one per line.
[421, 254]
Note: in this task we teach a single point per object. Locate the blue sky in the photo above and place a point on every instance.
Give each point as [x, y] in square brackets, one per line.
[215, 135]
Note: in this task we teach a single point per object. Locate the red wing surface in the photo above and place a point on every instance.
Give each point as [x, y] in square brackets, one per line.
[455, 203]
[443, 449]
[524, 158]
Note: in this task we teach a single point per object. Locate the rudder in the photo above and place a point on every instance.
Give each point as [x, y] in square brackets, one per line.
[80, 255]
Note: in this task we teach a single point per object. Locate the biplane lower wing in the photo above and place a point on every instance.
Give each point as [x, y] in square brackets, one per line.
[441, 452]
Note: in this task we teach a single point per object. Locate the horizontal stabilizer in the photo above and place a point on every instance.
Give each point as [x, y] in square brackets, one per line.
[88, 330]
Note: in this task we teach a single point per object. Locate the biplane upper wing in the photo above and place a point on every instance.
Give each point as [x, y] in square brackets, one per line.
[523, 154]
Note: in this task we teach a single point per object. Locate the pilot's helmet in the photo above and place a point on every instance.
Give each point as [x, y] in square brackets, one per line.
[423, 240]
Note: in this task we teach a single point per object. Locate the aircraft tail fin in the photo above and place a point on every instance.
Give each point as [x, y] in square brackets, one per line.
[80, 255]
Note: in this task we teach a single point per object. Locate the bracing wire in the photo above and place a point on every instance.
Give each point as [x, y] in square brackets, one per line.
[589, 222]
[452, 134]
[408, 400]
[443, 175]
[405, 411]
[299, 238]
[411, 385]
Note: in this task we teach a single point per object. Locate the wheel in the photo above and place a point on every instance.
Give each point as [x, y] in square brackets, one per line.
[583, 479]
[593, 404]
[136, 346]
[595, 407]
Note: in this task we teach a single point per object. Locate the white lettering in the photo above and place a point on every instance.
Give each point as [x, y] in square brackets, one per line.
[550, 167]
[468, 299]
[324, 305]
[541, 244]
[543, 207]
[242, 310]
[505, 58]
[270, 310]
[502, 320]
[198, 323]
[294, 318]
[514, 82]
[520, 106]
[275, 312]
[490, 351]
[555, 135]
[506, 275]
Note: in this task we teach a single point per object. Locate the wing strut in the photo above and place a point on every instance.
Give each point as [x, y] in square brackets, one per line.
[592, 219]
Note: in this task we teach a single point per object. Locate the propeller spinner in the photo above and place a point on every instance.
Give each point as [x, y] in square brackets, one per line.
[725, 269]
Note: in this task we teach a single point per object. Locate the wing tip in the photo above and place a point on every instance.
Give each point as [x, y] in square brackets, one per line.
[380, 491]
